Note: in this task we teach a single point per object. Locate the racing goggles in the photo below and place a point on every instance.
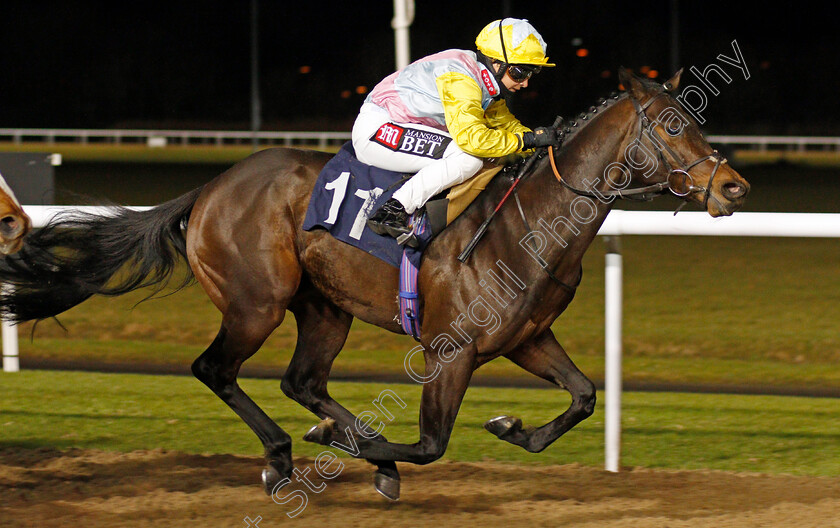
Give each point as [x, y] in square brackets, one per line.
[521, 72]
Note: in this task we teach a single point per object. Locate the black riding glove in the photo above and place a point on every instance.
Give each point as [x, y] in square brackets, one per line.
[540, 137]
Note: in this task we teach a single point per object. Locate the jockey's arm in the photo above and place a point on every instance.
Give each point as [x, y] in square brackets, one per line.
[498, 116]
[485, 136]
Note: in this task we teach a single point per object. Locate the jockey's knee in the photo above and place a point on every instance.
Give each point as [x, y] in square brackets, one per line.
[462, 166]
[471, 163]
[473, 166]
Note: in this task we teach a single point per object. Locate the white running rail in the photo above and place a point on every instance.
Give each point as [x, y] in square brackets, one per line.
[161, 138]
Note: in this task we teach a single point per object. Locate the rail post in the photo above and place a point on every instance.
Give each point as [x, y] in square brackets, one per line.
[11, 361]
[612, 352]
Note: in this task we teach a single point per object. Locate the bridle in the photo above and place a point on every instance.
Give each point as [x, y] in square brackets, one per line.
[638, 193]
[679, 181]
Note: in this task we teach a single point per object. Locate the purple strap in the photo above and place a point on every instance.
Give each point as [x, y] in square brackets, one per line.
[409, 314]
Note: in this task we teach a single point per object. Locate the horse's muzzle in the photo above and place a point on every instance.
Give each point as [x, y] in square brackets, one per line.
[12, 229]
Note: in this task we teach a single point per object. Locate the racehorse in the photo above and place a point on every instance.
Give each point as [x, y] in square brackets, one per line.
[14, 223]
[242, 237]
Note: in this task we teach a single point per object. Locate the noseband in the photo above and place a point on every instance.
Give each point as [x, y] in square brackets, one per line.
[682, 174]
[649, 126]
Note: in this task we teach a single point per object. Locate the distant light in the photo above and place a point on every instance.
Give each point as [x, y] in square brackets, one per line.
[577, 41]
[606, 74]
[345, 94]
[644, 69]
[305, 69]
[765, 65]
[653, 74]
[582, 52]
[361, 90]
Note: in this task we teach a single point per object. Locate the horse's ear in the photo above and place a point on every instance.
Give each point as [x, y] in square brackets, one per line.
[673, 83]
[632, 84]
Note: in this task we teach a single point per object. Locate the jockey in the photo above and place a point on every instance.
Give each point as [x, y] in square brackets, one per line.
[439, 116]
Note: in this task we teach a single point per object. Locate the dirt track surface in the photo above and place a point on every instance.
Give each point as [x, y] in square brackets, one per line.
[92, 489]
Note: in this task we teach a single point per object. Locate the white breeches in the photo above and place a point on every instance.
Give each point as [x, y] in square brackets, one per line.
[411, 148]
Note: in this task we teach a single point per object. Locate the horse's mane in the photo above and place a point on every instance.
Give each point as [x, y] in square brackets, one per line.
[572, 126]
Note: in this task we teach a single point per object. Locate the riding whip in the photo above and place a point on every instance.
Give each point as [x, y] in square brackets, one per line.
[526, 167]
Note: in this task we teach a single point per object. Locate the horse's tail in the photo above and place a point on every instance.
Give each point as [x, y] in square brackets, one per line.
[79, 254]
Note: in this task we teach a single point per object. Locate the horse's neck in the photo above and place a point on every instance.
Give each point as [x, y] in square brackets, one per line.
[582, 164]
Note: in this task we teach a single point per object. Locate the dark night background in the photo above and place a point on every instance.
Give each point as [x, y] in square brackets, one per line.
[186, 64]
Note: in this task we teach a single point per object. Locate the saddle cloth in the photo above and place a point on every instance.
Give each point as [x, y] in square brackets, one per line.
[348, 191]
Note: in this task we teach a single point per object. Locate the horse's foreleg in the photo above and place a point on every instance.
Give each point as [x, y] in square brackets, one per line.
[544, 357]
[217, 367]
[322, 331]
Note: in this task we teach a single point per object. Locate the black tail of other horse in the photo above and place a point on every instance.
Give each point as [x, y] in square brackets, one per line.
[81, 254]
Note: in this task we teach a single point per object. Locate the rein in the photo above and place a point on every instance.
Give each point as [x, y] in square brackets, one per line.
[523, 171]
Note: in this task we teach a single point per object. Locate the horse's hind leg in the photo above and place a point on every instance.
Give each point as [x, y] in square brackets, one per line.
[322, 331]
[442, 395]
[218, 367]
[544, 357]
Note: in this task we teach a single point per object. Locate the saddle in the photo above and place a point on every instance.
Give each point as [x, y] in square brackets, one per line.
[446, 206]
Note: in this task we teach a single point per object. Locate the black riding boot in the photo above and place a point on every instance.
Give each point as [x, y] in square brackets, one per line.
[390, 219]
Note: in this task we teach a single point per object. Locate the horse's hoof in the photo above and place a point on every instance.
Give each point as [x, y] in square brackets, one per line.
[388, 487]
[502, 425]
[270, 479]
[321, 433]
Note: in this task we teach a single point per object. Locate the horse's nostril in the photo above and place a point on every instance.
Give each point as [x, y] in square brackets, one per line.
[734, 190]
[9, 225]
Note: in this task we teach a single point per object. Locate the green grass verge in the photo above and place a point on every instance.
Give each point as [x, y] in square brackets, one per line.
[811, 157]
[697, 310]
[124, 412]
